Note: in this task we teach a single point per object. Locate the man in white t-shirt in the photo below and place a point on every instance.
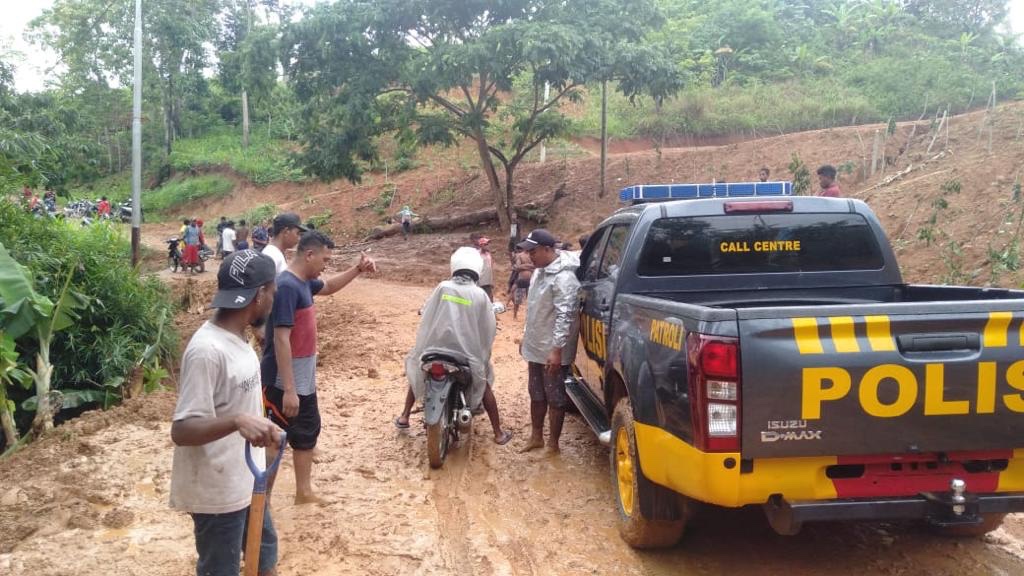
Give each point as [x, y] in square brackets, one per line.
[286, 231]
[220, 407]
[227, 239]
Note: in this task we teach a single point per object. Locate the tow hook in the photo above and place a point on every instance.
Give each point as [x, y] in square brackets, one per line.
[958, 486]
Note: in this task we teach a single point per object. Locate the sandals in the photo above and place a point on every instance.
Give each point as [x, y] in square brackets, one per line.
[505, 437]
[401, 425]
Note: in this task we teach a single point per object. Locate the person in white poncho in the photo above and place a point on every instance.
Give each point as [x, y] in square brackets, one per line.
[458, 320]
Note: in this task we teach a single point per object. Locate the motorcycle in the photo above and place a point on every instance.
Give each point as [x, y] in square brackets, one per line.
[173, 253]
[445, 411]
[124, 212]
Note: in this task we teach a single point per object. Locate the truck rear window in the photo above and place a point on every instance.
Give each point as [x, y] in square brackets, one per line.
[757, 243]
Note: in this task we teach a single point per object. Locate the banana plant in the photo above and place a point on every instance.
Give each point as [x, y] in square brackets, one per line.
[24, 312]
[11, 372]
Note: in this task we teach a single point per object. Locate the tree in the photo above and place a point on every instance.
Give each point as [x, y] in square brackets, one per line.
[94, 39]
[431, 71]
[951, 17]
[248, 53]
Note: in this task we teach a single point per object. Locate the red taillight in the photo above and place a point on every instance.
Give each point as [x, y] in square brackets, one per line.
[718, 358]
[714, 392]
[437, 371]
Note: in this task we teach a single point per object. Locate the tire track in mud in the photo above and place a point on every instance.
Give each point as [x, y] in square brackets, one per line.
[452, 515]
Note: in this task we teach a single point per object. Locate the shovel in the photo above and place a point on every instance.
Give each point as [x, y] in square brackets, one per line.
[254, 531]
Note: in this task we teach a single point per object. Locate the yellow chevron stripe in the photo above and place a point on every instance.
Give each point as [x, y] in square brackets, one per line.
[843, 334]
[879, 334]
[996, 329]
[805, 332]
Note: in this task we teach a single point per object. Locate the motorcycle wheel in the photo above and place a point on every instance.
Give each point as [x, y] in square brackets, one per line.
[439, 435]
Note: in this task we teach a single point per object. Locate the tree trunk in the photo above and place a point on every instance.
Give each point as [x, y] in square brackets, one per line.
[245, 120]
[501, 202]
[487, 215]
[43, 420]
[7, 419]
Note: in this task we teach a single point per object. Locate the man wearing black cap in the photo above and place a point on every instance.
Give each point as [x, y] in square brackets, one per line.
[548, 345]
[220, 407]
[286, 231]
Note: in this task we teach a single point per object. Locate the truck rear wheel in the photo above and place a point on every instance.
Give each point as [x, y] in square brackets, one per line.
[989, 522]
[632, 488]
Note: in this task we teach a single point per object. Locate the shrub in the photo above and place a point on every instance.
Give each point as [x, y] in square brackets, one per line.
[126, 312]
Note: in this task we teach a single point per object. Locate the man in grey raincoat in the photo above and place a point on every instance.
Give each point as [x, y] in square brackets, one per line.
[549, 345]
[458, 320]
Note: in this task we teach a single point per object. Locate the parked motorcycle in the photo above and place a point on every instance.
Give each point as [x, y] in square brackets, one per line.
[173, 253]
[445, 410]
[124, 212]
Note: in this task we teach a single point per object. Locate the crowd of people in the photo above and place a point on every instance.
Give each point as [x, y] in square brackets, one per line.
[229, 394]
[188, 247]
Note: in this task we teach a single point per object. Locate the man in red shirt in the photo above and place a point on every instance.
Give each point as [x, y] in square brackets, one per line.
[827, 180]
[103, 208]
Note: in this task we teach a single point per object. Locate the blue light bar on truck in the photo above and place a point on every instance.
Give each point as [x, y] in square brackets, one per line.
[662, 192]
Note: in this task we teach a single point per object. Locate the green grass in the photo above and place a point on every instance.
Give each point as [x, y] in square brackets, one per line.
[258, 213]
[266, 160]
[705, 111]
[116, 187]
[179, 192]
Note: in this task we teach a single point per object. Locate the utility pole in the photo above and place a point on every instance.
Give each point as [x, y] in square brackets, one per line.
[137, 137]
[604, 134]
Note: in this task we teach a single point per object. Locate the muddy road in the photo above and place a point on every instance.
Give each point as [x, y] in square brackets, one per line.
[91, 499]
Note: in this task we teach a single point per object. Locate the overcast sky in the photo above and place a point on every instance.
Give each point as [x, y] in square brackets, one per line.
[33, 61]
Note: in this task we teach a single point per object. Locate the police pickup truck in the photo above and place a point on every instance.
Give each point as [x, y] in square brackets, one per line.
[748, 347]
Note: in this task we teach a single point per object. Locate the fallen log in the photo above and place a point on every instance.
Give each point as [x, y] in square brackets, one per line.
[530, 212]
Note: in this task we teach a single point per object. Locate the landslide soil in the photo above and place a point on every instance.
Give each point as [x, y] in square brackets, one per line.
[91, 497]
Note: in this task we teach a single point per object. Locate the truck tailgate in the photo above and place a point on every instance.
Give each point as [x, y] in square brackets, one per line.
[882, 378]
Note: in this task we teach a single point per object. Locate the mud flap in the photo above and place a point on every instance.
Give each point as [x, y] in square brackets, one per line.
[434, 399]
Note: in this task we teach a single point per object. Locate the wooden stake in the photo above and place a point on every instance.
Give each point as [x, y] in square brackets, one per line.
[874, 153]
[937, 132]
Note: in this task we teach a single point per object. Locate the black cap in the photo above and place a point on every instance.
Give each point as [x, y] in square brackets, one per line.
[286, 220]
[241, 275]
[539, 237]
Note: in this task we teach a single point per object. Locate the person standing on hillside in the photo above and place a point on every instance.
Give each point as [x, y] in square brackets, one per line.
[827, 181]
[405, 216]
[290, 349]
[286, 231]
[219, 409]
[548, 346]
[242, 236]
[227, 238]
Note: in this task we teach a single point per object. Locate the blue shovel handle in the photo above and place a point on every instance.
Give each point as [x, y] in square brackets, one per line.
[260, 486]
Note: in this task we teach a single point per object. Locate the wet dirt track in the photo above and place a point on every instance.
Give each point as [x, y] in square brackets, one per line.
[91, 499]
